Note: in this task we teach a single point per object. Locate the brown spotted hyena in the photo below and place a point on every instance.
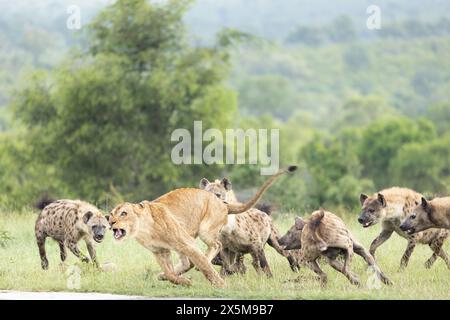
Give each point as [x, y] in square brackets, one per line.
[392, 206]
[245, 233]
[67, 222]
[325, 235]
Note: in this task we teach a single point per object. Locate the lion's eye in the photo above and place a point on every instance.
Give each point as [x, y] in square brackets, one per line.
[218, 195]
[371, 210]
[123, 214]
[413, 216]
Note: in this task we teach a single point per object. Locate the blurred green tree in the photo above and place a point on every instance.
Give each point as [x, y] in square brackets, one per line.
[382, 141]
[424, 167]
[104, 118]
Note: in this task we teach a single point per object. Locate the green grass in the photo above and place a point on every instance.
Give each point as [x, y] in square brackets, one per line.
[137, 271]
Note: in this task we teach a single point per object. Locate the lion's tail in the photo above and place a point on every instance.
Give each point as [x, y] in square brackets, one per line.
[235, 208]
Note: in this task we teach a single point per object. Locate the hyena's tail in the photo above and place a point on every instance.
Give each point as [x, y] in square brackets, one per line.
[314, 224]
[235, 208]
[267, 208]
[43, 202]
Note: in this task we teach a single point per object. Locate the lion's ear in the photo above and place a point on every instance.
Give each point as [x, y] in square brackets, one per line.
[226, 184]
[203, 183]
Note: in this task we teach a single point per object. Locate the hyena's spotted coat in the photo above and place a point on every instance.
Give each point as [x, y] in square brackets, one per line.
[244, 233]
[67, 222]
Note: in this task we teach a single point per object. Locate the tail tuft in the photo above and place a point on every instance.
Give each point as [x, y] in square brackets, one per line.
[317, 219]
[43, 202]
[291, 169]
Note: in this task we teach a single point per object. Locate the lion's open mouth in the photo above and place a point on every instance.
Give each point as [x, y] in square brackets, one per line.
[119, 233]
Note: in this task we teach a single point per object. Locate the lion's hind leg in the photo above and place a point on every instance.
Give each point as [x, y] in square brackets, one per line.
[165, 262]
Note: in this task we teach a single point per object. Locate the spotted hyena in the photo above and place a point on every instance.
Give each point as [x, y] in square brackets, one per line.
[428, 214]
[68, 222]
[244, 233]
[325, 235]
[390, 207]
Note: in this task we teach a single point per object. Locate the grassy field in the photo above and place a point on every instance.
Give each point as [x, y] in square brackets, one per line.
[137, 271]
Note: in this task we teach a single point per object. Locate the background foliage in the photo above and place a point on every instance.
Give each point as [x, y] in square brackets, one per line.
[89, 113]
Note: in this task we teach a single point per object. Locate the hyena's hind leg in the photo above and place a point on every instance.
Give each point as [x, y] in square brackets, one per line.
[40, 239]
[259, 262]
[361, 251]
[338, 266]
[273, 242]
[436, 246]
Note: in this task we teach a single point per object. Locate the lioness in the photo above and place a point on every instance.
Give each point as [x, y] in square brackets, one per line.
[390, 207]
[428, 214]
[174, 220]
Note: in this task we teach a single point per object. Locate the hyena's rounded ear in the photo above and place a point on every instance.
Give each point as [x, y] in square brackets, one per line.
[426, 205]
[362, 198]
[107, 218]
[381, 200]
[299, 223]
[203, 183]
[88, 215]
[226, 184]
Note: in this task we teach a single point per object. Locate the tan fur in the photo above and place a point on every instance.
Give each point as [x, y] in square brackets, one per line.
[428, 214]
[325, 234]
[399, 203]
[67, 222]
[173, 221]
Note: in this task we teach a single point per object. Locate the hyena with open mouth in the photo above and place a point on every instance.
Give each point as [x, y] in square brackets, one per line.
[390, 207]
[428, 214]
[68, 222]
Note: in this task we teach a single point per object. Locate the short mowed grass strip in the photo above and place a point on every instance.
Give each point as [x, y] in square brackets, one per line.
[137, 270]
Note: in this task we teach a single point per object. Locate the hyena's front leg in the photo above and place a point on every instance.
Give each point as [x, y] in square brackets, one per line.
[409, 250]
[337, 265]
[314, 266]
[92, 253]
[382, 237]
[72, 245]
[62, 251]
